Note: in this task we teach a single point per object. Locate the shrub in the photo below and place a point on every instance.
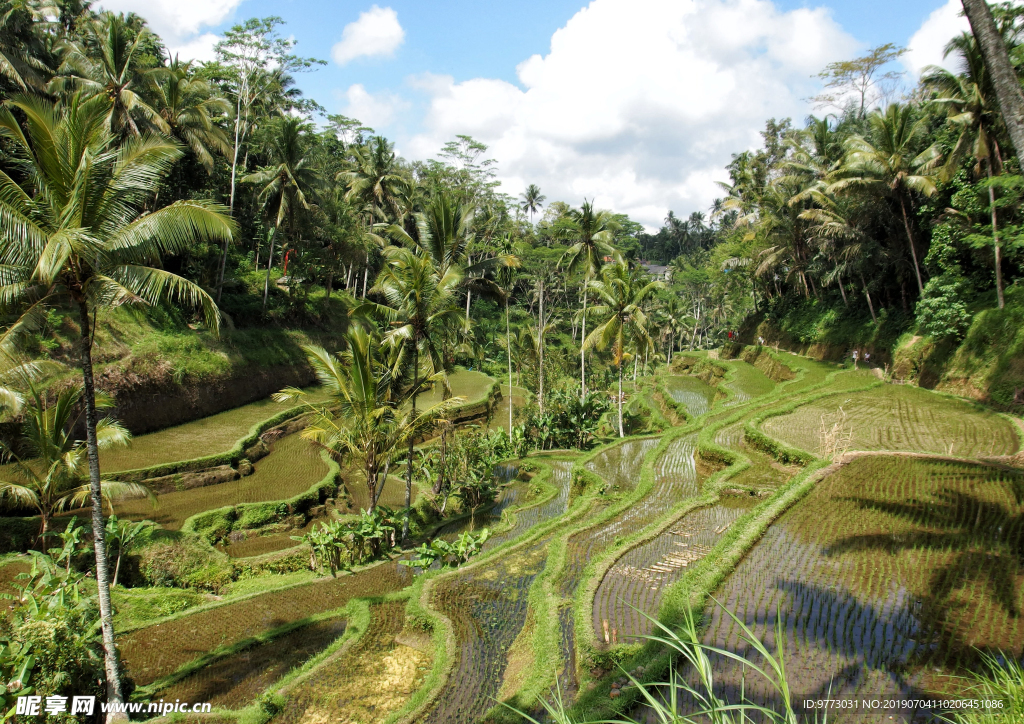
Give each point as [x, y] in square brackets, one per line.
[185, 563]
[942, 312]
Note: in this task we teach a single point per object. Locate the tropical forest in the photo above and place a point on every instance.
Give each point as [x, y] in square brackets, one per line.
[296, 428]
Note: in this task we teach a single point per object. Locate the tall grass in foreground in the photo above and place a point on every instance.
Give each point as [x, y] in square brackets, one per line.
[1002, 681]
[665, 701]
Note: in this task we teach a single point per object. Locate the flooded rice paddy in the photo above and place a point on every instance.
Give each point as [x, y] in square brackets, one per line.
[898, 418]
[695, 394]
[889, 577]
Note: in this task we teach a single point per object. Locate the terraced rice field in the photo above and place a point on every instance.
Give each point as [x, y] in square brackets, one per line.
[632, 589]
[901, 418]
[205, 436]
[292, 467]
[237, 681]
[487, 606]
[366, 681]
[157, 651]
[748, 382]
[696, 395]
[892, 573]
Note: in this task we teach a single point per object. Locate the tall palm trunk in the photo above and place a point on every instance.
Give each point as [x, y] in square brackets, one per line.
[270, 263]
[469, 295]
[540, 354]
[621, 432]
[583, 351]
[997, 61]
[412, 442]
[995, 235]
[110, 662]
[910, 241]
[871, 307]
[231, 202]
[508, 347]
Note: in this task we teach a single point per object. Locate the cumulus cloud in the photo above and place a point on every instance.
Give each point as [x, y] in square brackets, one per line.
[373, 109]
[926, 45]
[639, 103]
[376, 33]
[178, 22]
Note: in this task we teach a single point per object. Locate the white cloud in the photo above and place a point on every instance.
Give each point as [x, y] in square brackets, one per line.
[374, 110]
[639, 103]
[926, 45]
[198, 48]
[376, 33]
[178, 21]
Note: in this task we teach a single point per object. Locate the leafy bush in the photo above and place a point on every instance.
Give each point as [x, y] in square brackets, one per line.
[942, 312]
[568, 421]
[185, 563]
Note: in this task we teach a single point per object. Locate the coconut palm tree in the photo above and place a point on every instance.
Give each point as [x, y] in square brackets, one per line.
[106, 65]
[284, 186]
[997, 59]
[378, 180]
[421, 317]
[888, 162]
[592, 233]
[50, 468]
[442, 233]
[74, 232]
[622, 293]
[970, 102]
[21, 53]
[531, 200]
[364, 419]
[188, 107]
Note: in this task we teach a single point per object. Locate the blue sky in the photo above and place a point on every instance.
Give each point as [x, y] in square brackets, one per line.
[639, 103]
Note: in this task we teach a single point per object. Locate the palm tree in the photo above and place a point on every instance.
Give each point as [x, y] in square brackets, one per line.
[284, 186]
[532, 200]
[507, 282]
[593, 233]
[622, 292]
[20, 51]
[421, 317]
[106, 66]
[889, 163]
[364, 419]
[997, 59]
[52, 472]
[673, 317]
[73, 232]
[442, 234]
[188, 107]
[970, 102]
[378, 179]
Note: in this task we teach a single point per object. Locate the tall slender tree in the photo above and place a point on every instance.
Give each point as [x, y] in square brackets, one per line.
[531, 201]
[592, 232]
[622, 294]
[74, 231]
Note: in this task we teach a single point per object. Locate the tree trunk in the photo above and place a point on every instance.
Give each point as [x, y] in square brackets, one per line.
[910, 241]
[117, 567]
[583, 351]
[231, 202]
[540, 344]
[997, 61]
[270, 263]
[469, 295]
[508, 346]
[995, 236]
[621, 432]
[843, 292]
[871, 307]
[329, 285]
[110, 661]
[412, 441]
[366, 274]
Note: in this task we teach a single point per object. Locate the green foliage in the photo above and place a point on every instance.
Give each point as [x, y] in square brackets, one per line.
[944, 310]
[340, 544]
[568, 421]
[453, 553]
[187, 562]
[53, 633]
